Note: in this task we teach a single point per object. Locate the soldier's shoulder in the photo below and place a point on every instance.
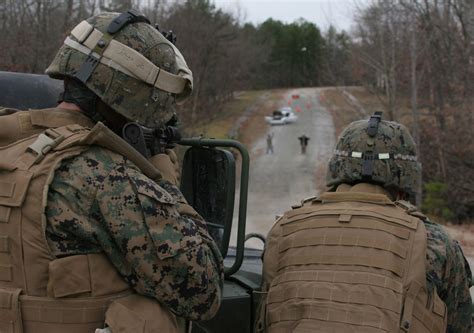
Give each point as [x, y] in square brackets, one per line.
[97, 158]
[91, 167]
[436, 231]
[443, 247]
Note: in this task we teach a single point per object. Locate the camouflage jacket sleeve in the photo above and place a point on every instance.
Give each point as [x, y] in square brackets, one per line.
[449, 272]
[101, 202]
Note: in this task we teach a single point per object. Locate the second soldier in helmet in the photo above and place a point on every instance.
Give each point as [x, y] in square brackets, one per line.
[361, 257]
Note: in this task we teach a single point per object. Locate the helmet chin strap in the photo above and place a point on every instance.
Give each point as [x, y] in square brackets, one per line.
[91, 105]
[112, 119]
[77, 93]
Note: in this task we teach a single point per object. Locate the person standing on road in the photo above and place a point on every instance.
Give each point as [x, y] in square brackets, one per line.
[94, 233]
[270, 143]
[362, 257]
[303, 143]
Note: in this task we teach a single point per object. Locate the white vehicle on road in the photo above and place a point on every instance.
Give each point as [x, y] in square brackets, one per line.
[282, 116]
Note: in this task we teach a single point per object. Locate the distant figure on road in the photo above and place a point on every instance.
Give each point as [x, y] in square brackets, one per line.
[303, 143]
[270, 143]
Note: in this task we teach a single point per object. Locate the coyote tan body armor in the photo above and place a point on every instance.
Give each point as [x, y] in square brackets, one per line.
[350, 261]
[38, 292]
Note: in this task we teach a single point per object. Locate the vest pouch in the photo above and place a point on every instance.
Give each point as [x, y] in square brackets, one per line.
[140, 314]
[60, 315]
[436, 311]
[440, 312]
[10, 314]
[84, 275]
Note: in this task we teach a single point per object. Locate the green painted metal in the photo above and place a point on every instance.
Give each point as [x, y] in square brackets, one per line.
[244, 181]
[208, 184]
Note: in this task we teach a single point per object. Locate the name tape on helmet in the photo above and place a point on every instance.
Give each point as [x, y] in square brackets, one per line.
[380, 156]
[125, 59]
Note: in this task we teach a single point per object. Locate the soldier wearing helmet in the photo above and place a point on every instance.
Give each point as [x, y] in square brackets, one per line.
[361, 257]
[93, 233]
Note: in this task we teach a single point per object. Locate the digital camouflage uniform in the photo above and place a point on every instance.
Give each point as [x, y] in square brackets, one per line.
[448, 271]
[100, 201]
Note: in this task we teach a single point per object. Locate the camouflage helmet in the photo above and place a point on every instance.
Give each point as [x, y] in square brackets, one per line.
[128, 64]
[377, 151]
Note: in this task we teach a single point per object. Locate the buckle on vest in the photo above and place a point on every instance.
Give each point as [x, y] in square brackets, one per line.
[45, 142]
[131, 16]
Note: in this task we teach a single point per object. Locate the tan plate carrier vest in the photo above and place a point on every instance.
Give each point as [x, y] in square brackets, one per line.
[38, 292]
[352, 262]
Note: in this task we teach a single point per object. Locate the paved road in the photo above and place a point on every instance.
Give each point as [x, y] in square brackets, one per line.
[282, 179]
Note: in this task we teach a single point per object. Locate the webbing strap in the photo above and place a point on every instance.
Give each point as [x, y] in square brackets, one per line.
[4, 214]
[334, 223]
[6, 273]
[361, 294]
[108, 62]
[66, 310]
[306, 211]
[349, 314]
[349, 277]
[126, 57]
[376, 156]
[381, 241]
[408, 306]
[10, 314]
[384, 261]
[44, 143]
[63, 315]
[383, 214]
[4, 244]
[433, 324]
[47, 141]
[356, 197]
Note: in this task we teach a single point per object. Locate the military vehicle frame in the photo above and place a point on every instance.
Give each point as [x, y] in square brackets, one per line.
[205, 156]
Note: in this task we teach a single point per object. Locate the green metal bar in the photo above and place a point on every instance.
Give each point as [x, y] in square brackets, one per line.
[244, 182]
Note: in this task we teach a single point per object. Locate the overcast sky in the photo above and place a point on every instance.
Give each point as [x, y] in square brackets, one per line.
[321, 12]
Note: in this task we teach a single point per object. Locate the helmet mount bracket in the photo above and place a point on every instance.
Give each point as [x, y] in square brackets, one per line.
[129, 17]
[91, 62]
[374, 122]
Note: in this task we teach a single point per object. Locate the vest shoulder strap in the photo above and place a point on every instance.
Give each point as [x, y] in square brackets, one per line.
[374, 198]
[66, 137]
[411, 209]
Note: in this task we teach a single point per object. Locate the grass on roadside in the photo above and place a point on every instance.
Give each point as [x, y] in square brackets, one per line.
[221, 125]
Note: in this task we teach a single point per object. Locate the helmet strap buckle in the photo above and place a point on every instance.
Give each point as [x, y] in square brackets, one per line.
[368, 164]
[87, 68]
[131, 16]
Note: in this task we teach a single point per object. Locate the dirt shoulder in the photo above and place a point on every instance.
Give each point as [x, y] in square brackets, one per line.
[241, 118]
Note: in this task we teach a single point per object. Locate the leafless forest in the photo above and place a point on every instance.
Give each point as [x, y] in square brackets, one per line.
[416, 56]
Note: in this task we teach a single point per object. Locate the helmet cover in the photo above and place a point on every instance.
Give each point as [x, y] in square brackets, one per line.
[387, 158]
[120, 89]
